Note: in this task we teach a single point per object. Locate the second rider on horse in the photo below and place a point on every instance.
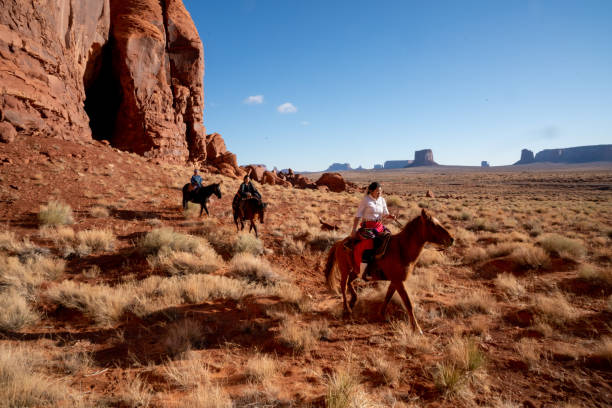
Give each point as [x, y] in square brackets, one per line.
[245, 191]
[196, 180]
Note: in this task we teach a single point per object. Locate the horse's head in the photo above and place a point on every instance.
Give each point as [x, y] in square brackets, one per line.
[260, 211]
[217, 189]
[434, 232]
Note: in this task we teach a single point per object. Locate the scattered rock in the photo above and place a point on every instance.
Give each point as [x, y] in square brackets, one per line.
[334, 181]
[7, 132]
[430, 194]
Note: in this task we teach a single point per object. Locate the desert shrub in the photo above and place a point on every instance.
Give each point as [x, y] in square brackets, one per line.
[247, 243]
[15, 313]
[192, 210]
[553, 309]
[103, 304]
[482, 224]
[448, 378]
[21, 386]
[342, 388]
[8, 242]
[388, 371]
[464, 237]
[181, 336]
[207, 395]
[406, 337]
[562, 246]
[55, 213]
[290, 246]
[95, 240]
[254, 269]
[431, 257]
[99, 211]
[323, 240]
[476, 301]
[510, 285]
[75, 362]
[393, 201]
[261, 367]
[183, 263]
[137, 393]
[595, 275]
[27, 276]
[530, 256]
[474, 255]
[604, 350]
[60, 235]
[465, 353]
[165, 240]
[292, 335]
[529, 351]
[186, 374]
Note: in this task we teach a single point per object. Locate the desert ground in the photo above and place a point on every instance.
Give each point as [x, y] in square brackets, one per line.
[113, 296]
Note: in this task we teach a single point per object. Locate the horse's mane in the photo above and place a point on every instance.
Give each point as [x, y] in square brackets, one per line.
[411, 225]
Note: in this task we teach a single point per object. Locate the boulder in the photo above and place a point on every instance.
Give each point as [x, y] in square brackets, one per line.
[430, 194]
[255, 171]
[334, 181]
[7, 132]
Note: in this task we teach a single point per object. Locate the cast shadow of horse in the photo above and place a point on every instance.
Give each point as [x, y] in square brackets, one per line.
[247, 210]
[201, 195]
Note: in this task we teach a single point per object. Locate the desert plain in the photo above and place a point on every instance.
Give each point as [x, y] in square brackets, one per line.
[112, 295]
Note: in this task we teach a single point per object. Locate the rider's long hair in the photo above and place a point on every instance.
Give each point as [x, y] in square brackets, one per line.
[372, 187]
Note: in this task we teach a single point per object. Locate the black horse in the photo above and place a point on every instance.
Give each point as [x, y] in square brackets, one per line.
[201, 195]
[248, 209]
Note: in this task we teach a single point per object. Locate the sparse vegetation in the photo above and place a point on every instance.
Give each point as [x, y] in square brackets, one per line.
[562, 246]
[246, 242]
[55, 213]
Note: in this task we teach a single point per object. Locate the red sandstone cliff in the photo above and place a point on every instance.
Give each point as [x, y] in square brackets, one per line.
[126, 71]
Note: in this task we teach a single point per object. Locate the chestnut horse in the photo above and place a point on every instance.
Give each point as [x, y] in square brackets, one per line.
[251, 207]
[395, 265]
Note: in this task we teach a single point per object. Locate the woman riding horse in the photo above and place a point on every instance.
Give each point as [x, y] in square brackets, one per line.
[371, 212]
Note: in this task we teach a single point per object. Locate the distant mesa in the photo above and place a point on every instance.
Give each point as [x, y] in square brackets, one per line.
[396, 164]
[484, 163]
[580, 154]
[339, 167]
[378, 167]
[526, 157]
[423, 158]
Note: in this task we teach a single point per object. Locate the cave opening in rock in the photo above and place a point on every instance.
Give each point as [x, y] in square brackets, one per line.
[102, 92]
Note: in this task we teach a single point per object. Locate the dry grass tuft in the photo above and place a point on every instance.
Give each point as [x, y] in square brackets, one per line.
[183, 263]
[406, 337]
[15, 312]
[90, 241]
[430, 257]
[510, 285]
[388, 371]
[99, 212]
[553, 309]
[342, 389]
[165, 240]
[248, 243]
[55, 213]
[465, 353]
[254, 269]
[448, 378]
[21, 386]
[562, 246]
[298, 338]
[261, 367]
[476, 301]
[530, 353]
[182, 336]
[207, 396]
[188, 374]
[595, 275]
[137, 393]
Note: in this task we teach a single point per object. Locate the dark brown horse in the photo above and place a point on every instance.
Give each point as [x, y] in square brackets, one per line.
[201, 195]
[247, 210]
[395, 265]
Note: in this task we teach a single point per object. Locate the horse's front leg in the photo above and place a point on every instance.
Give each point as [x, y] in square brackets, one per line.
[353, 300]
[343, 282]
[401, 289]
[390, 292]
[253, 226]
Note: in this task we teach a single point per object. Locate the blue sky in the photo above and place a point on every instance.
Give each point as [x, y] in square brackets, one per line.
[303, 84]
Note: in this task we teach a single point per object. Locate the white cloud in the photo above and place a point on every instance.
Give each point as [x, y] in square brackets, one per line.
[254, 100]
[287, 107]
[304, 123]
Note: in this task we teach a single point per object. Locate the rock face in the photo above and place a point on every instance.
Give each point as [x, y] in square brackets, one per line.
[580, 154]
[526, 157]
[126, 71]
[339, 167]
[396, 164]
[423, 158]
[334, 181]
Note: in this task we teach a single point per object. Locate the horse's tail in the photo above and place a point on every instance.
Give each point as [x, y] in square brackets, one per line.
[329, 266]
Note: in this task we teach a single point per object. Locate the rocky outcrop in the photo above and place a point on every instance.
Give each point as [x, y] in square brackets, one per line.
[526, 157]
[255, 171]
[339, 167]
[334, 182]
[484, 163]
[396, 164]
[580, 154]
[423, 158]
[272, 178]
[126, 71]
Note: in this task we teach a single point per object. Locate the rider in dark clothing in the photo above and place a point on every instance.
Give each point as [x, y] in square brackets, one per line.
[246, 190]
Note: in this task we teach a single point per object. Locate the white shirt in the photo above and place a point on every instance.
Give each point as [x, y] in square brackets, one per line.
[371, 209]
